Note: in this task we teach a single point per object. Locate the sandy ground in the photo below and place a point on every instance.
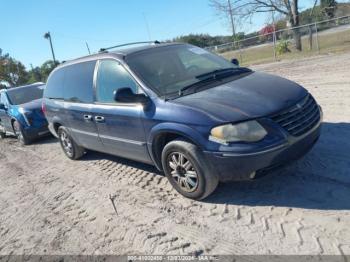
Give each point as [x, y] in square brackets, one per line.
[51, 205]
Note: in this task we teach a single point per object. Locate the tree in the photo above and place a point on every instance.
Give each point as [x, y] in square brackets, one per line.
[35, 75]
[202, 40]
[329, 7]
[12, 71]
[224, 7]
[46, 68]
[248, 8]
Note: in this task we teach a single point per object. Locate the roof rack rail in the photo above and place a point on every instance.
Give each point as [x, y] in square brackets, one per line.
[133, 43]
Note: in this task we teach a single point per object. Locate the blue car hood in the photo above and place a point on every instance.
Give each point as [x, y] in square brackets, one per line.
[251, 96]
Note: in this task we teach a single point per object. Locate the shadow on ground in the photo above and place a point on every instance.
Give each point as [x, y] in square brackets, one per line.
[93, 155]
[320, 180]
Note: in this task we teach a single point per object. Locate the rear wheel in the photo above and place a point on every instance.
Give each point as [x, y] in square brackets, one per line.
[20, 134]
[70, 148]
[187, 171]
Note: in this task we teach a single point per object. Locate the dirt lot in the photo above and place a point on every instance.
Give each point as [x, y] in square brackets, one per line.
[51, 205]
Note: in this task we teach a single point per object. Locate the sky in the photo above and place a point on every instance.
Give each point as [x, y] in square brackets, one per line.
[103, 23]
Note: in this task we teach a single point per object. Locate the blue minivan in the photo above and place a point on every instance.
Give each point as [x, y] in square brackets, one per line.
[194, 115]
[21, 113]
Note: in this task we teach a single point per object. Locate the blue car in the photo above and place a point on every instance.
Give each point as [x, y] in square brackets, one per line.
[21, 113]
[194, 115]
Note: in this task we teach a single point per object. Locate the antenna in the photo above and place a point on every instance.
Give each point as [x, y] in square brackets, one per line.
[147, 26]
[87, 46]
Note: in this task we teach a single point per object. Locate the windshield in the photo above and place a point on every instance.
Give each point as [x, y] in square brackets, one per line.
[169, 69]
[18, 96]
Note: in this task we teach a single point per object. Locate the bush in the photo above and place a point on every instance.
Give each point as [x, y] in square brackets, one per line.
[282, 47]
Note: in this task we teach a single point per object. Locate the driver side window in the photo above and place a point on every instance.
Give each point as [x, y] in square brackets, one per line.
[112, 76]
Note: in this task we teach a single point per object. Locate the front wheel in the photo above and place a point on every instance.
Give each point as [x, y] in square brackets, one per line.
[70, 148]
[187, 171]
[20, 134]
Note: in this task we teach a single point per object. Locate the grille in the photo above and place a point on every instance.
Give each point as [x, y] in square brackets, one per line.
[300, 118]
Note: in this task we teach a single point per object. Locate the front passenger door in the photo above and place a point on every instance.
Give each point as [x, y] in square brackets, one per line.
[119, 125]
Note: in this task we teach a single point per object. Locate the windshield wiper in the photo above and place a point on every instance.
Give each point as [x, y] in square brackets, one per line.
[198, 83]
[215, 75]
[224, 72]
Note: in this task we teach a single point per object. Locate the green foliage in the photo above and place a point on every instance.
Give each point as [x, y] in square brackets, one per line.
[204, 40]
[13, 73]
[329, 7]
[282, 47]
[46, 69]
[239, 36]
[280, 25]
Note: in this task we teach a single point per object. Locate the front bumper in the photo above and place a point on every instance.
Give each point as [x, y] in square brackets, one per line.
[235, 166]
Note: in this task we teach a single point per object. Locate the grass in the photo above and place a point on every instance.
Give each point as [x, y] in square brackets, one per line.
[334, 42]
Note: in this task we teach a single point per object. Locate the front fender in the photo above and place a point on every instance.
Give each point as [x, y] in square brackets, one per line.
[185, 131]
[15, 115]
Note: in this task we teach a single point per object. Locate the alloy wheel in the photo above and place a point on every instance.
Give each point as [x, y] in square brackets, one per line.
[18, 131]
[66, 143]
[183, 172]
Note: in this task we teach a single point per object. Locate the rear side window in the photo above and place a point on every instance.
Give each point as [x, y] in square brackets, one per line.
[54, 86]
[78, 82]
[110, 77]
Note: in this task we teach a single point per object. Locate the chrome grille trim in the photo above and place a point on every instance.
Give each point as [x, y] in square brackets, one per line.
[300, 118]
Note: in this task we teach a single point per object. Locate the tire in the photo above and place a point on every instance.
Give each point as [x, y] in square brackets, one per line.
[71, 149]
[187, 170]
[2, 133]
[20, 134]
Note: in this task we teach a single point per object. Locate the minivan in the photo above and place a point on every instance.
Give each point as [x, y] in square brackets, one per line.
[194, 115]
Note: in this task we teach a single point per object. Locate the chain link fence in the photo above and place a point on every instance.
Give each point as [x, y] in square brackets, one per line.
[326, 36]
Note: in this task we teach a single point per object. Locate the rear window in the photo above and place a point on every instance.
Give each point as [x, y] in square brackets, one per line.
[54, 86]
[25, 94]
[78, 82]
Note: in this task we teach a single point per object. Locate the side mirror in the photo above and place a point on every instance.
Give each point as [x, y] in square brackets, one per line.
[126, 95]
[2, 107]
[235, 61]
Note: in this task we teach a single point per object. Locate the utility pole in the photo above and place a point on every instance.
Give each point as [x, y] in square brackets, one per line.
[274, 39]
[231, 18]
[48, 36]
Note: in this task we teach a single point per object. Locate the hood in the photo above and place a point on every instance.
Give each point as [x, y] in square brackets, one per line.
[32, 105]
[252, 96]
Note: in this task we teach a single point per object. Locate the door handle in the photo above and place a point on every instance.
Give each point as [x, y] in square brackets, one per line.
[88, 117]
[99, 119]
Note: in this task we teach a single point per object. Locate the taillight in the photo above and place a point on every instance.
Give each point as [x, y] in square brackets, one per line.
[28, 118]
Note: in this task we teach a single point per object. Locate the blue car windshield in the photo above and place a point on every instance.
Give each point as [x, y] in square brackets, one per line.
[22, 95]
[170, 69]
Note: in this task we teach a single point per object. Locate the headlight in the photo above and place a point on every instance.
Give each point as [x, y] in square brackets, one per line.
[250, 131]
